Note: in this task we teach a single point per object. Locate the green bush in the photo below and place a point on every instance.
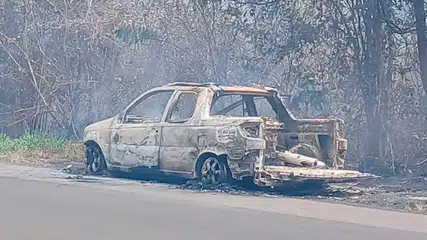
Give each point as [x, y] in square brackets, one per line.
[29, 142]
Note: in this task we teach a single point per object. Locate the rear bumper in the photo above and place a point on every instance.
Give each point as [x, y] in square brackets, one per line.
[278, 175]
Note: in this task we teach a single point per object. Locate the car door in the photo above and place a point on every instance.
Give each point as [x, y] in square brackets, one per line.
[135, 141]
[178, 150]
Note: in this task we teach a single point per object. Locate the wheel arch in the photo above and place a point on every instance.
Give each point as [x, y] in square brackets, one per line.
[91, 142]
[94, 143]
[104, 153]
[221, 156]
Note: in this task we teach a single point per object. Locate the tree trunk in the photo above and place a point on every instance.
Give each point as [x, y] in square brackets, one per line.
[420, 24]
[373, 69]
[384, 85]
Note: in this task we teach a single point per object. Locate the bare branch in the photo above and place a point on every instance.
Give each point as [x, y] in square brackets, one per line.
[260, 3]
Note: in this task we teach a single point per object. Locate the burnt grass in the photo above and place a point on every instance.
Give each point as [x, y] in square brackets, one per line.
[388, 193]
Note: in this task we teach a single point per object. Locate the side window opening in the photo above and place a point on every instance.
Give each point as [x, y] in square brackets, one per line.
[183, 109]
[231, 105]
[263, 107]
[149, 108]
[242, 105]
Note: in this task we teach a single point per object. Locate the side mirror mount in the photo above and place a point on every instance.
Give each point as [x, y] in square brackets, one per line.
[120, 117]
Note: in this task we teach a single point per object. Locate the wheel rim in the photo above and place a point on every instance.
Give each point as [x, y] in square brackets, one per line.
[212, 171]
[96, 159]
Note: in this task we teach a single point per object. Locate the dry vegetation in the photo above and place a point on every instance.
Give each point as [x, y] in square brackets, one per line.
[65, 64]
[40, 150]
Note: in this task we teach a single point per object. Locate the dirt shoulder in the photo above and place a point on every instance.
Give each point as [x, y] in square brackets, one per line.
[391, 193]
[70, 156]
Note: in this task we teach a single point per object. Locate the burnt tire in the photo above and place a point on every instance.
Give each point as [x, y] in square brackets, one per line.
[95, 161]
[213, 171]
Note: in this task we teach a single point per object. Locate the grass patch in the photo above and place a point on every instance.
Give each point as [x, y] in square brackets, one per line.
[29, 142]
[36, 149]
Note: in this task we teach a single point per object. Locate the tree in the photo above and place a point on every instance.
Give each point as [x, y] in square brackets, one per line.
[420, 23]
[64, 64]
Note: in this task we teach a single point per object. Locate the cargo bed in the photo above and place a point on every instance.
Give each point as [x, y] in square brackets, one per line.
[276, 175]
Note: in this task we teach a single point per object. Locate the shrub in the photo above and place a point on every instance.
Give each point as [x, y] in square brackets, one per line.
[30, 142]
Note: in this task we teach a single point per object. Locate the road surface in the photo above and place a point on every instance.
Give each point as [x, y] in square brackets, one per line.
[37, 204]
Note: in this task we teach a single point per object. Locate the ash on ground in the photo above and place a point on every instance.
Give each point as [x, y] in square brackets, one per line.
[391, 193]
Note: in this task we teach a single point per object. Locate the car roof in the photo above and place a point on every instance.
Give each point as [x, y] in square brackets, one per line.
[227, 88]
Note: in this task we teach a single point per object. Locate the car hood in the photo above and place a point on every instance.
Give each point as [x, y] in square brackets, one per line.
[104, 124]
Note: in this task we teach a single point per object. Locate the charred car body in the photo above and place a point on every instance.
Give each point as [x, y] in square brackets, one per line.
[217, 133]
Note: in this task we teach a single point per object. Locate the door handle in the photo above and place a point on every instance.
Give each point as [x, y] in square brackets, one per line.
[116, 138]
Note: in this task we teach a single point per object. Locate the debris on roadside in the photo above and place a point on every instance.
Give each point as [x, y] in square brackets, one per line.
[397, 194]
[74, 177]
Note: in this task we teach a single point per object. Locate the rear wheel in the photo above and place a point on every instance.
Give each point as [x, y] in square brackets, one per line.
[95, 162]
[213, 171]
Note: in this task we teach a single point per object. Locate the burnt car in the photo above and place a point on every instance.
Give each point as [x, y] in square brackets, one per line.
[218, 133]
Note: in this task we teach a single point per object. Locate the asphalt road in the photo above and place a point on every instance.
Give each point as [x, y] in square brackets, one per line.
[44, 208]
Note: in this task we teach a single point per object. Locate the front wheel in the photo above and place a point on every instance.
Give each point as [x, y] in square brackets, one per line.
[213, 171]
[95, 162]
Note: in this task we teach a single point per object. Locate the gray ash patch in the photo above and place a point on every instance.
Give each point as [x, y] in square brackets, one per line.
[393, 193]
[385, 195]
[297, 191]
